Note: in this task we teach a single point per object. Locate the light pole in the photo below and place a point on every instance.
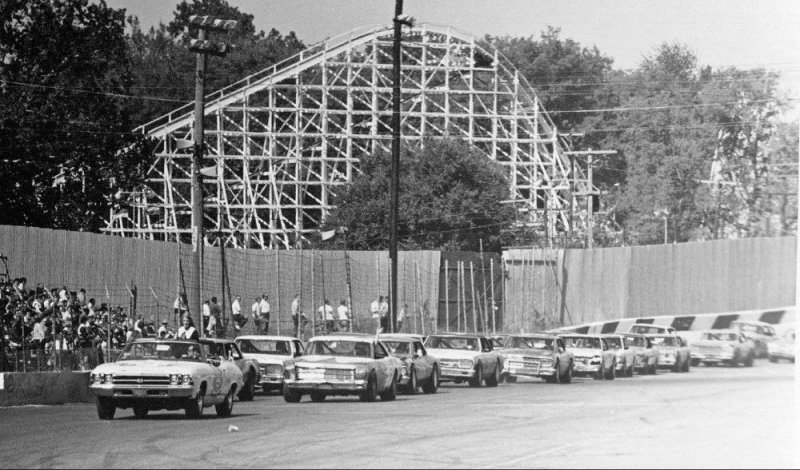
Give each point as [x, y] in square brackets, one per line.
[399, 20]
[202, 47]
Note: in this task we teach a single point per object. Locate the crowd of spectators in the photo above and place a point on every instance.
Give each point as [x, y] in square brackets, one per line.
[46, 319]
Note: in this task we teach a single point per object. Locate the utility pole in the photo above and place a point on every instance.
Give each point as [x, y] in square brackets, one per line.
[590, 191]
[399, 20]
[202, 47]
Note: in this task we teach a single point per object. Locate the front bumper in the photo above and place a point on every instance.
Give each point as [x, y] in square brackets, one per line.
[448, 373]
[270, 380]
[666, 362]
[516, 368]
[143, 392]
[355, 386]
[582, 368]
[712, 357]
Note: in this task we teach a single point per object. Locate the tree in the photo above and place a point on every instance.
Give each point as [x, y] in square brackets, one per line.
[164, 69]
[64, 82]
[449, 199]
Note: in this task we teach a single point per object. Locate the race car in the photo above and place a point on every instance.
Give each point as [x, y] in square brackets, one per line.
[592, 356]
[153, 374]
[343, 364]
[272, 353]
[646, 358]
[419, 367]
[537, 355]
[251, 371]
[626, 357]
[723, 347]
[673, 352]
[783, 347]
[467, 358]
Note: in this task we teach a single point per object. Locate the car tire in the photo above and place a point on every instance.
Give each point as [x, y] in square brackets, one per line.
[291, 396]
[411, 387]
[688, 365]
[140, 412]
[556, 377]
[773, 359]
[748, 362]
[630, 371]
[601, 374]
[370, 393]
[194, 409]
[391, 393]
[494, 379]
[225, 408]
[477, 380]
[613, 372]
[433, 383]
[248, 389]
[317, 397]
[105, 408]
[695, 362]
[512, 379]
[567, 377]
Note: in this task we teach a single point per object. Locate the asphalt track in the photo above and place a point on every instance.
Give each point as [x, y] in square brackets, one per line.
[716, 417]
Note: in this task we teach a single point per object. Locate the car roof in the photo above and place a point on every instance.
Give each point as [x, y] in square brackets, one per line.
[460, 335]
[345, 337]
[579, 335]
[267, 337]
[215, 340]
[399, 337]
[533, 335]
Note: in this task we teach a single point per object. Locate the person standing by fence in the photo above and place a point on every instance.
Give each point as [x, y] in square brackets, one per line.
[343, 312]
[299, 319]
[236, 313]
[326, 314]
[264, 311]
[375, 310]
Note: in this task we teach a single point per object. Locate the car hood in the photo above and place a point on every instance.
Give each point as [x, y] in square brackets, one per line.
[342, 361]
[455, 353]
[527, 352]
[264, 359]
[149, 367]
[714, 343]
[586, 352]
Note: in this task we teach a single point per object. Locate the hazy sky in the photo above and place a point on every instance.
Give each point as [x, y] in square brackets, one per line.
[742, 33]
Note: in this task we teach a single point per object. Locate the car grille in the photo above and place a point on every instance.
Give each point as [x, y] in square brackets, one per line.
[448, 364]
[140, 380]
[529, 362]
[272, 369]
[340, 375]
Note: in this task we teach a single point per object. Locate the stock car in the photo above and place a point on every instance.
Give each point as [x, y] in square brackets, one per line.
[783, 346]
[673, 352]
[592, 356]
[343, 364]
[466, 357]
[272, 354]
[251, 371]
[626, 357]
[537, 355]
[646, 358]
[419, 367]
[723, 347]
[759, 332]
[152, 374]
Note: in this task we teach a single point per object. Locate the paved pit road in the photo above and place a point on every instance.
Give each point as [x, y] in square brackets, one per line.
[715, 417]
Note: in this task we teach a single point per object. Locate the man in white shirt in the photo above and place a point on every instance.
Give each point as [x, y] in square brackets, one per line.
[255, 311]
[344, 315]
[263, 307]
[375, 309]
[187, 330]
[326, 313]
[236, 312]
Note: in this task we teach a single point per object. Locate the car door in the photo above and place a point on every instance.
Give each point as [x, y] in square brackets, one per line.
[423, 362]
[383, 369]
[487, 364]
[215, 375]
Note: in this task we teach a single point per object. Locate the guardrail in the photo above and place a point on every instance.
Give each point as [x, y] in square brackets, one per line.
[58, 360]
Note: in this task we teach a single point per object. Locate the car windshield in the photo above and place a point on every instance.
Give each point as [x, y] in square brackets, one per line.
[749, 328]
[663, 341]
[162, 351]
[449, 342]
[498, 342]
[581, 342]
[523, 342]
[339, 348]
[636, 341]
[644, 329]
[398, 347]
[264, 346]
[614, 342]
[712, 336]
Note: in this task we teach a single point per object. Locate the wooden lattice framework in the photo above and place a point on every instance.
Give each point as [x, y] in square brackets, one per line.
[284, 140]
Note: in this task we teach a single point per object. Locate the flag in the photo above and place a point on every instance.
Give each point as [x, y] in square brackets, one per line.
[210, 171]
[327, 235]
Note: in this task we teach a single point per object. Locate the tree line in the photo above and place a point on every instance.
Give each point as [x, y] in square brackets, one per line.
[705, 149]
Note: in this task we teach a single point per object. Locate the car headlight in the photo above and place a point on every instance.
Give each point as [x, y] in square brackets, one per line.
[174, 379]
[596, 359]
[186, 379]
[104, 378]
[361, 373]
[465, 364]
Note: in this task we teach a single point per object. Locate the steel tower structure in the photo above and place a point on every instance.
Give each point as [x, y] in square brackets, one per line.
[281, 142]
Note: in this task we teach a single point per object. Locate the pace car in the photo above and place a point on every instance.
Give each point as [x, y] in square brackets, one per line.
[153, 374]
